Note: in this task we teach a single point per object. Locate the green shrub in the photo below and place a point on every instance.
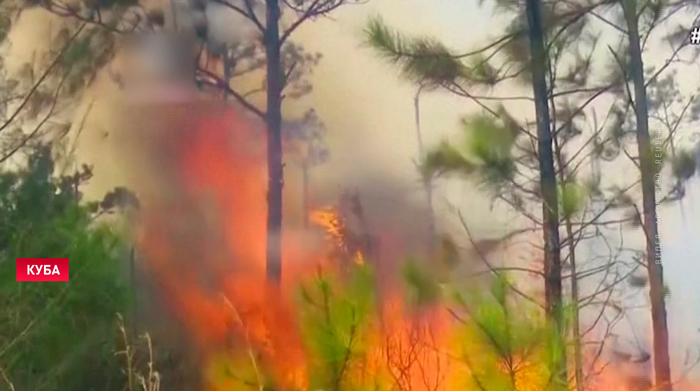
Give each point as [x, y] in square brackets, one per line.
[336, 320]
[57, 335]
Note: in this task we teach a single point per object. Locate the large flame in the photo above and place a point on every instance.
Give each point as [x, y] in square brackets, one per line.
[204, 242]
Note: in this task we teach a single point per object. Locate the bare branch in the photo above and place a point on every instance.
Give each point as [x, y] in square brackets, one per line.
[209, 78]
[43, 77]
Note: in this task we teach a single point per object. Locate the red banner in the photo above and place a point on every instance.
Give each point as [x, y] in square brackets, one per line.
[42, 269]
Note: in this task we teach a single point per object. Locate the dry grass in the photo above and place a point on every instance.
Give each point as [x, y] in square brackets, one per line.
[137, 380]
[6, 379]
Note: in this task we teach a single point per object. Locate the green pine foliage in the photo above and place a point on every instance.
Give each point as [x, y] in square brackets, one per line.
[422, 286]
[505, 343]
[57, 336]
[426, 61]
[421, 59]
[336, 319]
[572, 198]
[484, 152]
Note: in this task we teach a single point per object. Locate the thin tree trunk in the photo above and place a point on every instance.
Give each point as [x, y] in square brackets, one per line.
[427, 182]
[548, 186]
[274, 142]
[576, 327]
[576, 331]
[662, 366]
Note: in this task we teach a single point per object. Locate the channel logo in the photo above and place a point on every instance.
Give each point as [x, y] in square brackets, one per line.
[42, 269]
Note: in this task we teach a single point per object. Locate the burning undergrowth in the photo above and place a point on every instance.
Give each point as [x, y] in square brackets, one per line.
[340, 319]
[203, 242]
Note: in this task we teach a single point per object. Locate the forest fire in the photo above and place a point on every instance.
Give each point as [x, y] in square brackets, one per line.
[214, 214]
[326, 327]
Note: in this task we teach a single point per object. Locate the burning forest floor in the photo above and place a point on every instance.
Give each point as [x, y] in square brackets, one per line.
[340, 320]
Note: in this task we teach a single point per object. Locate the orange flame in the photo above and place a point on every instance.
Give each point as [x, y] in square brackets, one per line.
[204, 241]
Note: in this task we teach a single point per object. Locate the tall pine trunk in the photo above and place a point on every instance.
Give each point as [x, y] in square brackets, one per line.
[548, 188]
[662, 365]
[275, 168]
